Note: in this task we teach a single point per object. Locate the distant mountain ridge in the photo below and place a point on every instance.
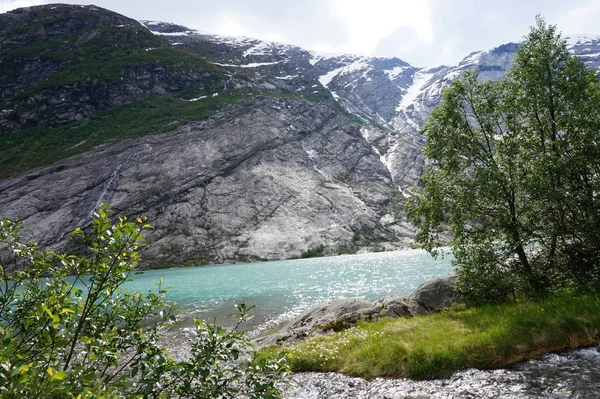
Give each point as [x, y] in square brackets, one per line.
[237, 149]
[383, 91]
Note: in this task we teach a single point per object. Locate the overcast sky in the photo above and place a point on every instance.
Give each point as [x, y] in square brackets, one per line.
[422, 32]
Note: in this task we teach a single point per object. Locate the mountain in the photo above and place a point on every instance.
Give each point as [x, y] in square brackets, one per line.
[228, 166]
[236, 149]
[390, 96]
[65, 63]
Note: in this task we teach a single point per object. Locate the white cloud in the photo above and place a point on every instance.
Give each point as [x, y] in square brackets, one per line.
[582, 19]
[369, 22]
[8, 5]
[229, 25]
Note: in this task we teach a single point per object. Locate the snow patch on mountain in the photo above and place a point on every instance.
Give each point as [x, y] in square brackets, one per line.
[328, 77]
[170, 29]
[251, 65]
[383, 158]
[394, 72]
[171, 33]
[471, 59]
[260, 47]
[580, 39]
[419, 80]
[361, 63]
[314, 58]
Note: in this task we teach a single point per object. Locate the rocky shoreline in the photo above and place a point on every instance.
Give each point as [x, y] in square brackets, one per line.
[568, 374]
[340, 314]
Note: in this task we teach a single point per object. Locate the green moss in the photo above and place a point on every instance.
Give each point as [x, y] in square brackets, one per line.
[435, 346]
[35, 147]
[37, 49]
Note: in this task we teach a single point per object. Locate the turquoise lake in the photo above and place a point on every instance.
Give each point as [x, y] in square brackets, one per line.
[283, 289]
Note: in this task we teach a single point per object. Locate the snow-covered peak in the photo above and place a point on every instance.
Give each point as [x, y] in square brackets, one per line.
[581, 39]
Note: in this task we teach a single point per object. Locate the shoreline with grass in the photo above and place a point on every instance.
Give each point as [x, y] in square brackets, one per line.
[439, 345]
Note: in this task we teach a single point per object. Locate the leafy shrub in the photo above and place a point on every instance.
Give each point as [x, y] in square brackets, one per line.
[68, 330]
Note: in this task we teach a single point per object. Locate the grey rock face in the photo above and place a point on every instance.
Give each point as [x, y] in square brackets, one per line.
[433, 295]
[389, 94]
[335, 315]
[263, 179]
[332, 315]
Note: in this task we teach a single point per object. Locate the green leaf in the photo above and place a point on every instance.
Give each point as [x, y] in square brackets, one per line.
[25, 368]
[61, 375]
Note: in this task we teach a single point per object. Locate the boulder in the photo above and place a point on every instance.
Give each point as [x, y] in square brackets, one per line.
[335, 315]
[433, 295]
[393, 306]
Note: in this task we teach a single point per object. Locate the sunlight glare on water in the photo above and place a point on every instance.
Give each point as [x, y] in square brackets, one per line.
[283, 289]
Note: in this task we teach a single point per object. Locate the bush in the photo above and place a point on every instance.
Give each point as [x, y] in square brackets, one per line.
[69, 331]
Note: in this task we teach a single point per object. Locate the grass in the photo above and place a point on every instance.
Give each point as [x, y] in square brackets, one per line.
[435, 346]
[35, 147]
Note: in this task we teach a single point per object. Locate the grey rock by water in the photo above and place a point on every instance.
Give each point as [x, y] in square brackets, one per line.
[392, 306]
[333, 315]
[433, 295]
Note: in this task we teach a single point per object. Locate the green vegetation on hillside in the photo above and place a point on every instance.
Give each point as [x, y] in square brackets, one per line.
[34, 147]
[435, 346]
[516, 174]
[111, 53]
[109, 56]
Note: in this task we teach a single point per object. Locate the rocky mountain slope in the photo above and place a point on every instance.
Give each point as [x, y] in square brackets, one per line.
[237, 149]
[64, 63]
[242, 170]
[265, 179]
[386, 93]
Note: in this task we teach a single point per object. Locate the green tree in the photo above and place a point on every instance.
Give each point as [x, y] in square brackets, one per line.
[68, 330]
[514, 174]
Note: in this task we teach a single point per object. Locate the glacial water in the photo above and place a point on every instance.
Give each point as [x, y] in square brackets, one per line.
[281, 290]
